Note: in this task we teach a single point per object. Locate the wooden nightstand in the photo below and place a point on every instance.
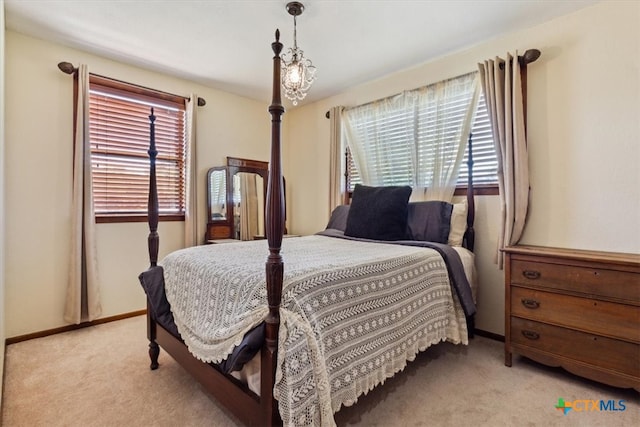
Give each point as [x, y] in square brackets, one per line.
[576, 309]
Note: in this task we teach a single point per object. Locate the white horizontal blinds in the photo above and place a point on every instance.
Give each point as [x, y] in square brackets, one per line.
[353, 175]
[485, 163]
[119, 132]
[434, 121]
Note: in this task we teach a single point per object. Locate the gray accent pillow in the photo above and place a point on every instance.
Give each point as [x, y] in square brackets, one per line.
[429, 221]
[378, 213]
[338, 220]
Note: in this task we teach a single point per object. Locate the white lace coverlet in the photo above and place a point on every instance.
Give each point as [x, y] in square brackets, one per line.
[352, 314]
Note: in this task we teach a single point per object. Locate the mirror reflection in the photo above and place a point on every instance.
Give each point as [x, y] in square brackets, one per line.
[217, 184]
[248, 205]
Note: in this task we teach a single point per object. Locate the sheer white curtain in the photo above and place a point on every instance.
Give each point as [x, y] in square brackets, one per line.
[336, 182]
[83, 296]
[379, 135]
[502, 86]
[191, 194]
[416, 138]
[438, 167]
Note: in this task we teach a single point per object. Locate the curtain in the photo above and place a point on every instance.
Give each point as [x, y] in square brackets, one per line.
[381, 139]
[335, 162]
[248, 208]
[451, 132]
[191, 194]
[415, 138]
[83, 297]
[502, 86]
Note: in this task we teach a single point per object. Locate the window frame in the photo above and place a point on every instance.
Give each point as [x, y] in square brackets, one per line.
[139, 93]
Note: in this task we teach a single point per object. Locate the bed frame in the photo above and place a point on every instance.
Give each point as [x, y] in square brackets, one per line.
[248, 407]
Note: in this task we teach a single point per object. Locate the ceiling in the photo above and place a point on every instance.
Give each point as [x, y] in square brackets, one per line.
[226, 44]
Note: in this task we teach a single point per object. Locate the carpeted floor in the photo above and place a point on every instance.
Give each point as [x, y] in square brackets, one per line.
[99, 376]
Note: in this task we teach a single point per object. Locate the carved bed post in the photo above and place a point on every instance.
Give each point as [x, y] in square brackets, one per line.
[153, 240]
[152, 206]
[274, 230]
[470, 234]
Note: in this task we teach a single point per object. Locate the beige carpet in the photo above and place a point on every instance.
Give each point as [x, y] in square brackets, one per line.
[99, 376]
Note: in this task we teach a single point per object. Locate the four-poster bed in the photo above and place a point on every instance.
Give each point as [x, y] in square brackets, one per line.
[407, 295]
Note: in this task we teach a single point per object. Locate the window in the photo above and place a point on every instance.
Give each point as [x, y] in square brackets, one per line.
[485, 162]
[119, 134]
[399, 159]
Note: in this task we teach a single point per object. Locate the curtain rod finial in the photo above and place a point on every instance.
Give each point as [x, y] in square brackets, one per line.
[66, 67]
[531, 55]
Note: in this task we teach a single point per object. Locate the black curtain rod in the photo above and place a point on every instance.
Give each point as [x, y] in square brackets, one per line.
[68, 68]
[530, 55]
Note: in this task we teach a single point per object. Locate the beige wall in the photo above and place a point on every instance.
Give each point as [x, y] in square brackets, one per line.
[584, 128]
[2, 211]
[38, 180]
[583, 137]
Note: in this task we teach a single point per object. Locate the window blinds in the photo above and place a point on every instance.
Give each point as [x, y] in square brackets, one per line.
[396, 166]
[119, 134]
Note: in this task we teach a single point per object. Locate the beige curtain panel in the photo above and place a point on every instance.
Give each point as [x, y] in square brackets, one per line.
[336, 150]
[502, 86]
[83, 296]
[248, 206]
[191, 193]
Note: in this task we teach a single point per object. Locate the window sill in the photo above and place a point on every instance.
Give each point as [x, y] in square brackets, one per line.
[479, 190]
[104, 219]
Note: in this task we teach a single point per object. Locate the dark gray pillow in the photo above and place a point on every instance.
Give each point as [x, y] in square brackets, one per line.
[429, 221]
[338, 218]
[378, 213]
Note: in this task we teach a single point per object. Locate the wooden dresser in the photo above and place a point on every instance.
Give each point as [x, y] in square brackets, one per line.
[576, 309]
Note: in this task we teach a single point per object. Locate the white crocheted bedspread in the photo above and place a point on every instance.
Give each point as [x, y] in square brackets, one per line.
[352, 315]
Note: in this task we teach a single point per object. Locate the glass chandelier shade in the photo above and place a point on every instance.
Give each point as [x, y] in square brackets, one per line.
[298, 71]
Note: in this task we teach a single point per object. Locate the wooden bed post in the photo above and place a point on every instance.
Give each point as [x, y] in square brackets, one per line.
[274, 230]
[153, 240]
[470, 234]
[152, 206]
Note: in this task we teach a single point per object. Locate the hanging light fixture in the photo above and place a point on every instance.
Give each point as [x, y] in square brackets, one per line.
[299, 73]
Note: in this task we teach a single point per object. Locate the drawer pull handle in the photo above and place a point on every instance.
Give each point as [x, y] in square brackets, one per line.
[531, 274]
[530, 334]
[530, 303]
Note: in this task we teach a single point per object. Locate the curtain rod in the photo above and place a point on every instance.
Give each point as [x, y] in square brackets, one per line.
[530, 55]
[68, 68]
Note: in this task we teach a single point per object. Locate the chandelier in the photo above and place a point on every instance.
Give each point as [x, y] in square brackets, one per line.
[299, 73]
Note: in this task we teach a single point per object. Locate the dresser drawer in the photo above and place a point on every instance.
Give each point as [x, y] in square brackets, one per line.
[601, 317]
[602, 282]
[608, 353]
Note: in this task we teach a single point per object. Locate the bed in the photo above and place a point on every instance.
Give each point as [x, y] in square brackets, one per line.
[354, 304]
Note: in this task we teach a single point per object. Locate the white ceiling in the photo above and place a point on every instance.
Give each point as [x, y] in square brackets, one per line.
[226, 44]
